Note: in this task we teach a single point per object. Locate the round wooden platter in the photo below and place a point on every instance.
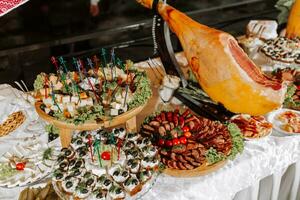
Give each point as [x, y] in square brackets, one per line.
[66, 129]
[204, 169]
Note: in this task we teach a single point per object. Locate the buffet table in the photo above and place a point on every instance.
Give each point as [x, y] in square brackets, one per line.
[261, 158]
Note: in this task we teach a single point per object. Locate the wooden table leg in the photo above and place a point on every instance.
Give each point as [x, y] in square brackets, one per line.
[131, 125]
[65, 137]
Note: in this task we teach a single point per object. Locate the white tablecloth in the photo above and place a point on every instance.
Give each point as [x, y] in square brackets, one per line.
[259, 159]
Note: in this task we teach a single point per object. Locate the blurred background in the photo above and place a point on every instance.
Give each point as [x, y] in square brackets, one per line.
[32, 33]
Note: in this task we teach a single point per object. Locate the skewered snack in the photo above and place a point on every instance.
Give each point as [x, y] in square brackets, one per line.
[252, 127]
[105, 164]
[93, 94]
[187, 142]
[241, 86]
[12, 122]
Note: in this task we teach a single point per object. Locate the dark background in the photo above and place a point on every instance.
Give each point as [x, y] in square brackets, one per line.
[32, 33]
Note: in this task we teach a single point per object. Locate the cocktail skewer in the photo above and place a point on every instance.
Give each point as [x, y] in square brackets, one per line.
[53, 97]
[89, 81]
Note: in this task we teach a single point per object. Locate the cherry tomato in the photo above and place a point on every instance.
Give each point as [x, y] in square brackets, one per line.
[169, 143]
[298, 87]
[185, 129]
[183, 140]
[20, 166]
[188, 134]
[105, 155]
[161, 142]
[176, 141]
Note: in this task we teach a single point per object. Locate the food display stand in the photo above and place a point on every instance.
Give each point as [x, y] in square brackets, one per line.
[219, 134]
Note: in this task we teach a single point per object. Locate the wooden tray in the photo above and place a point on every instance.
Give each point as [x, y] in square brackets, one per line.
[66, 129]
[199, 171]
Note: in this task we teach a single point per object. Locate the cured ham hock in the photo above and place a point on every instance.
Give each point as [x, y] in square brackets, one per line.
[221, 67]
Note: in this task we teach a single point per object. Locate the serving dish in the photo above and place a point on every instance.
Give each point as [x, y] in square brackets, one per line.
[190, 145]
[105, 164]
[281, 124]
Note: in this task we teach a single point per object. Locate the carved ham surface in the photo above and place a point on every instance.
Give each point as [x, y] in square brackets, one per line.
[221, 67]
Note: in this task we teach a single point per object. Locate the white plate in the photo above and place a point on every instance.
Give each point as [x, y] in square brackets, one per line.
[277, 124]
[252, 138]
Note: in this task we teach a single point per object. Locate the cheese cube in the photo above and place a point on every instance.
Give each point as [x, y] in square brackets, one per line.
[116, 105]
[54, 108]
[47, 110]
[58, 98]
[48, 101]
[114, 112]
[58, 86]
[45, 91]
[119, 99]
[89, 101]
[71, 108]
[53, 79]
[66, 99]
[82, 103]
[74, 99]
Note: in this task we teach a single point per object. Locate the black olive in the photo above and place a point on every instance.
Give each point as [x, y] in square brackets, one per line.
[43, 106]
[135, 181]
[107, 182]
[59, 176]
[127, 182]
[69, 184]
[87, 174]
[78, 164]
[63, 165]
[100, 195]
[60, 158]
[122, 129]
[89, 182]
[68, 152]
[68, 177]
[64, 149]
[72, 163]
[77, 173]
[79, 142]
[125, 174]
[129, 162]
[82, 133]
[116, 131]
[116, 173]
[82, 153]
[84, 191]
[51, 137]
[120, 111]
[102, 178]
[147, 159]
[51, 113]
[130, 135]
[135, 153]
[118, 191]
[134, 164]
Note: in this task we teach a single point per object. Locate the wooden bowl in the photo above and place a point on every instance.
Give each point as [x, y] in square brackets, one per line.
[66, 129]
[202, 170]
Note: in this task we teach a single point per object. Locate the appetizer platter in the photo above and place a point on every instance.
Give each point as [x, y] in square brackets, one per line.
[252, 127]
[27, 162]
[105, 164]
[97, 95]
[266, 48]
[190, 145]
[285, 121]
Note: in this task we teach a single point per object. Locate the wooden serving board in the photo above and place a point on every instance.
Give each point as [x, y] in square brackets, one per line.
[66, 129]
[199, 171]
